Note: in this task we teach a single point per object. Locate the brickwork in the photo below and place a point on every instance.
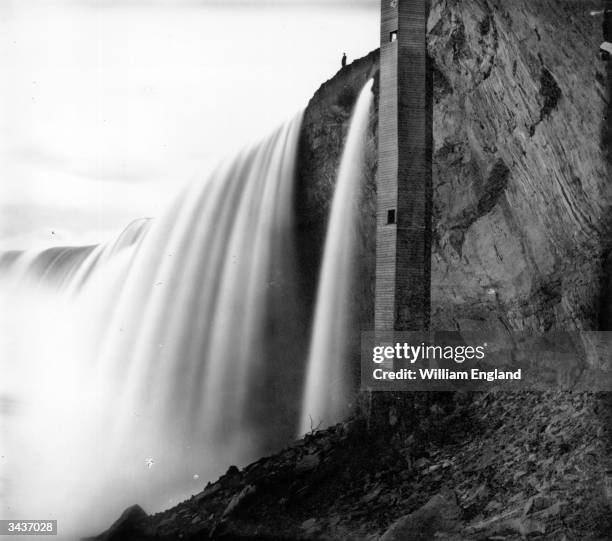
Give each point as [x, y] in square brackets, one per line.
[403, 258]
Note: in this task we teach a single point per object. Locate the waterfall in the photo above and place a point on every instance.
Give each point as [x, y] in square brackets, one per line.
[326, 388]
[136, 370]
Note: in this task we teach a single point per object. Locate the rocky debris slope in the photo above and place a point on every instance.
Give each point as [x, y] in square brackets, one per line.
[505, 467]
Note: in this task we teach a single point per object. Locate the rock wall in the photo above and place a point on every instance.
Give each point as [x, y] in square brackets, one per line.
[522, 179]
[325, 127]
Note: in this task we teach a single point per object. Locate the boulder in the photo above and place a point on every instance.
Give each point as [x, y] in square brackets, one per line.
[128, 527]
[440, 515]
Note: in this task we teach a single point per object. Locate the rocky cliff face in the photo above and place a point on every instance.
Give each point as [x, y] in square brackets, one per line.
[522, 179]
[325, 127]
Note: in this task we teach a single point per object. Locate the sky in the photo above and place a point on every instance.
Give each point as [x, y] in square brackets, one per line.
[108, 107]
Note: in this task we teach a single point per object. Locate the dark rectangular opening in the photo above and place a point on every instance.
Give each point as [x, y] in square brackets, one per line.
[393, 35]
[391, 216]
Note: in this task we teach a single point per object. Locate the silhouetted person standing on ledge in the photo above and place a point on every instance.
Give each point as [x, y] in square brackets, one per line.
[343, 59]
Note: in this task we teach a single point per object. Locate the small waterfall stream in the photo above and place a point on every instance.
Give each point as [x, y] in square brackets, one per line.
[325, 396]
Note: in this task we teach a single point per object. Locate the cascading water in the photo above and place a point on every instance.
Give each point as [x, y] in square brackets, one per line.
[325, 395]
[140, 369]
[132, 371]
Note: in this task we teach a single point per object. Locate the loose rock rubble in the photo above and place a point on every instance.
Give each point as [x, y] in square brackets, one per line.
[501, 467]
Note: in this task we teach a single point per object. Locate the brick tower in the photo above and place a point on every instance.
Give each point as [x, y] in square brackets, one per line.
[404, 193]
